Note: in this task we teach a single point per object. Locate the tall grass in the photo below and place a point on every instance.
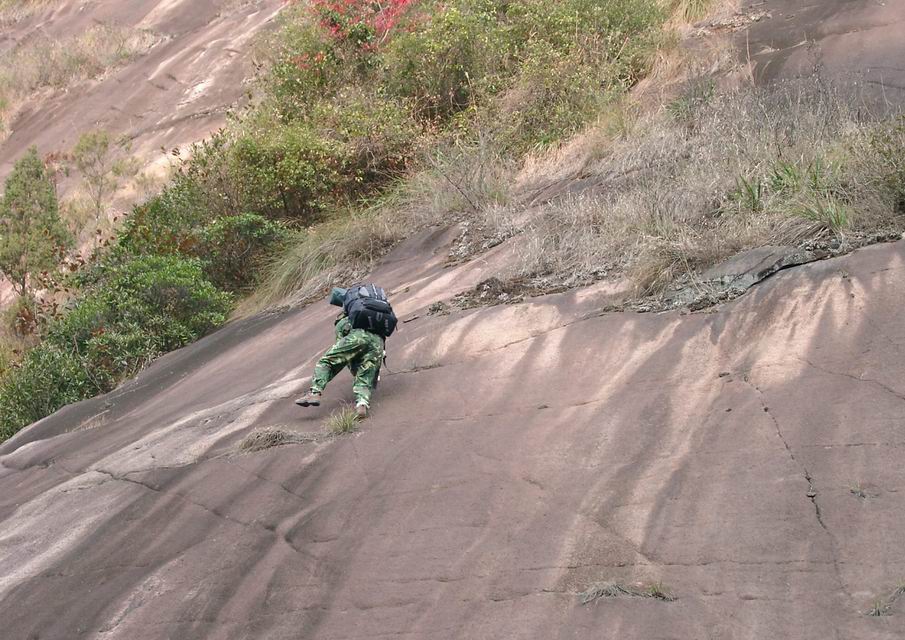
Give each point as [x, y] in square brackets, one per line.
[740, 170]
[316, 258]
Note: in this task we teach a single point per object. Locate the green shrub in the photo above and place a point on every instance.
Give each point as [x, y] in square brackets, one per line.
[134, 313]
[165, 224]
[377, 136]
[538, 70]
[167, 297]
[286, 172]
[47, 379]
[459, 49]
[179, 222]
[306, 66]
[231, 248]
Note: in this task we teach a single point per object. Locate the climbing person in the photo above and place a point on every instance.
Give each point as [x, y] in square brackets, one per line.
[362, 328]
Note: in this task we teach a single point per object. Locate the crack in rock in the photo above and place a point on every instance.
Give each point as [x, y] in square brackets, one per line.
[812, 491]
[249, 525]
[842, 374]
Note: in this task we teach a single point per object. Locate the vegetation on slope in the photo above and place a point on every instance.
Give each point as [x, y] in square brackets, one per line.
[710, 176]
[12, 11]
[372, 121]
[355, 98]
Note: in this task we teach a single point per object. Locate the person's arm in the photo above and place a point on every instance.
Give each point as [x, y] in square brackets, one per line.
[343, 326]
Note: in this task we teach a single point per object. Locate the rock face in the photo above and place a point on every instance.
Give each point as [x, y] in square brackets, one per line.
[174, 95]
[748, 459]
[857, 42]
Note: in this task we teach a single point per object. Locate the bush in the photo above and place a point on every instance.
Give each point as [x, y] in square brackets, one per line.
[136, 312]
[165, 224]
[553, 63]
[458, 51]
[286, 172]
[47, 379]
[231, 247]
[376, 134]
[305, 67]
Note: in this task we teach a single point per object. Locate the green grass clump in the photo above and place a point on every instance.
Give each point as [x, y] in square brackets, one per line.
[659, 591]
[342, 421]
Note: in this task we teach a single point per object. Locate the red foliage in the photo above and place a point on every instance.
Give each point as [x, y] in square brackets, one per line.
[351, 20]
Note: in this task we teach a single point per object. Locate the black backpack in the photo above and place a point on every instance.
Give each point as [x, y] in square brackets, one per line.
[368, 308]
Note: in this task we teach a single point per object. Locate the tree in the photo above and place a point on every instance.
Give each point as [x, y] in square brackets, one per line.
[32, 236]
[100, 161]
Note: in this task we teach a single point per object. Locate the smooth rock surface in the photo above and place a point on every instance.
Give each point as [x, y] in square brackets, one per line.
[516, 456]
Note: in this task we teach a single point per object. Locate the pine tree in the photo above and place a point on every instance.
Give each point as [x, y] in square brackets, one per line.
[32, 235]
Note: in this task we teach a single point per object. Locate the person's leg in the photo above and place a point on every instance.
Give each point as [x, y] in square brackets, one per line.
[366, 367]
[331, 363]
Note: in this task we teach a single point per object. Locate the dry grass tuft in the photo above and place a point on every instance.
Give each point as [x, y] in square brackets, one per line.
[691, 10]
[262, 439]
[341, 250]
[604, 590]
[616, 590]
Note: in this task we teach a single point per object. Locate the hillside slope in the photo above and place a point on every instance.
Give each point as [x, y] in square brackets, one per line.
[517, 455]
[745, 460]
[175, 94]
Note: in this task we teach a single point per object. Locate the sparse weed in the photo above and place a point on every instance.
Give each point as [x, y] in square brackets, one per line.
[698, 93]
[879, 608]
[658, 591]
[13, 11]
[342, 421]
[43, 62]
[883, 606]
[858, 491]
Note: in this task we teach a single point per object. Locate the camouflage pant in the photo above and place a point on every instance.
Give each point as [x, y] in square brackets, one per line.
[362, 352]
